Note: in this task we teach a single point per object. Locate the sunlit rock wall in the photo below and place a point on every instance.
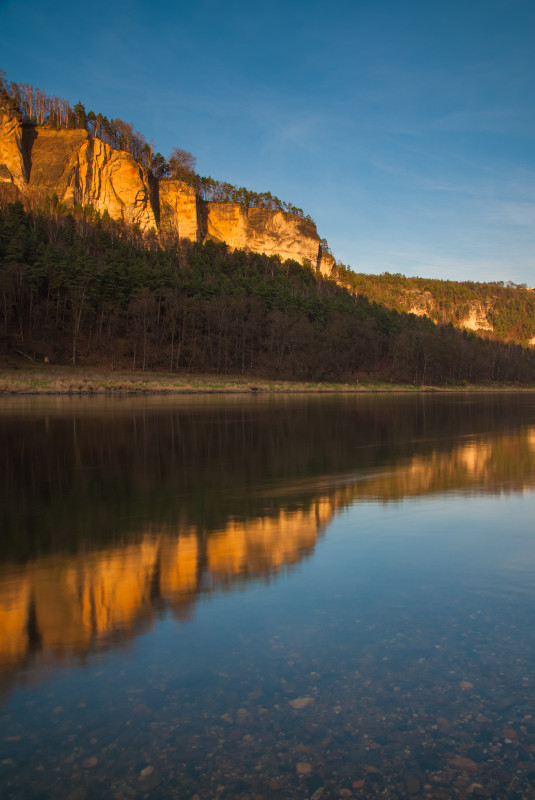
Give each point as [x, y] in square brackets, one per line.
[263, 231]
[179, 213]
[475, 319]
[326, 262]
[12, 167]
[84, 170]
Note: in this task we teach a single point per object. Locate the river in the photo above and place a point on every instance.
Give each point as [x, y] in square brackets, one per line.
[275, 596]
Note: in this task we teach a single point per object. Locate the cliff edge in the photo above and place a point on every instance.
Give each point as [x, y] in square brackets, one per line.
[81, 169]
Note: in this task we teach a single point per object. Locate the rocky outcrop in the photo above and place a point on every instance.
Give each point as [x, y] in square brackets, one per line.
[326, 262]
[83, 170]
[12, 166]
[180, 214]
[264, 231]
[474, 317]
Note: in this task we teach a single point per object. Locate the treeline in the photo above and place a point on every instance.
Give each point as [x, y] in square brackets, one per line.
[37, 108]
[220, 191]
[78, 286]
[509, 308]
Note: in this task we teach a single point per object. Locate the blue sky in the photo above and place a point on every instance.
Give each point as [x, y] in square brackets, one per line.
[405, 129]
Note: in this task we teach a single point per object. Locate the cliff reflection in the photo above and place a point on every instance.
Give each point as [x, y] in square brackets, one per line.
[93, 473]
[68, 605]
[110, 519]
[487, 465]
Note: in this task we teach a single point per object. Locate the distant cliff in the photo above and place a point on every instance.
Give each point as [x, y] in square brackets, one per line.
[82, 169]
[499, 310]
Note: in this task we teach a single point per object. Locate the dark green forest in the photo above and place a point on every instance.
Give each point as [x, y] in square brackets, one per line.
[76, 286]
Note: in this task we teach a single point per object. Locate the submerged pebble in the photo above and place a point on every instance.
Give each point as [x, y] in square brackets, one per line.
[146, 772]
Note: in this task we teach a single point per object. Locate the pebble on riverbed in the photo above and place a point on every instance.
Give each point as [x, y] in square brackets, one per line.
[146, 772]
[301, 702]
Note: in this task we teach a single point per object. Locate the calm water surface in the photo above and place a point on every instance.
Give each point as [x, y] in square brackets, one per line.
[293, 597]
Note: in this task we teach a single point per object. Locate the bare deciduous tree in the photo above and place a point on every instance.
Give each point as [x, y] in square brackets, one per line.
[182, 163]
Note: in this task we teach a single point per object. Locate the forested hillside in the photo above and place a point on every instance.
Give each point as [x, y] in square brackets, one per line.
[48, 148]
[77, 286]
[508, 310]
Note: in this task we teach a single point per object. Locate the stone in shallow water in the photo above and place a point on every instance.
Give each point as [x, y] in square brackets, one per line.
[304, 768]
[362, 757]
[146, 772]
[464, 764]
[301, 702]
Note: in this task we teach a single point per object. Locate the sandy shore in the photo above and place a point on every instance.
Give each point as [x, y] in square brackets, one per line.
[50, 379]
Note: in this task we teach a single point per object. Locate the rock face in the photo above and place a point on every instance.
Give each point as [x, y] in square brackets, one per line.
[326, 262]
[82, 169]
[263, 231]
[179, 211]
[475, 318]
[12, 167]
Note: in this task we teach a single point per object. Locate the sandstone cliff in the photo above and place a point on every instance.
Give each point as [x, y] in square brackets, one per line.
[326, 262]
[496, 310]
[12, 167]
[474, 317]
[263, 231]
[180, 211]
[83, 170]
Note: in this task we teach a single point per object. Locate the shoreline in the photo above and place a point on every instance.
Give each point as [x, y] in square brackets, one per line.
[52, 380]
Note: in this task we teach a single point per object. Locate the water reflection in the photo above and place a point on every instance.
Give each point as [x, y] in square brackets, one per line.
[241, 599]
[139, 520]
[69, 604]
[93, 472]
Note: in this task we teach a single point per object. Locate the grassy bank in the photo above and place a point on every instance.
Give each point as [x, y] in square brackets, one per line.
[49, 379]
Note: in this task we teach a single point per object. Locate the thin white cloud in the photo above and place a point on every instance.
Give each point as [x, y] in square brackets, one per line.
[515, 213]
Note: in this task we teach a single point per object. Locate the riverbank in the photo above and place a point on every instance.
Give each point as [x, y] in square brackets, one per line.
[51, 379]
